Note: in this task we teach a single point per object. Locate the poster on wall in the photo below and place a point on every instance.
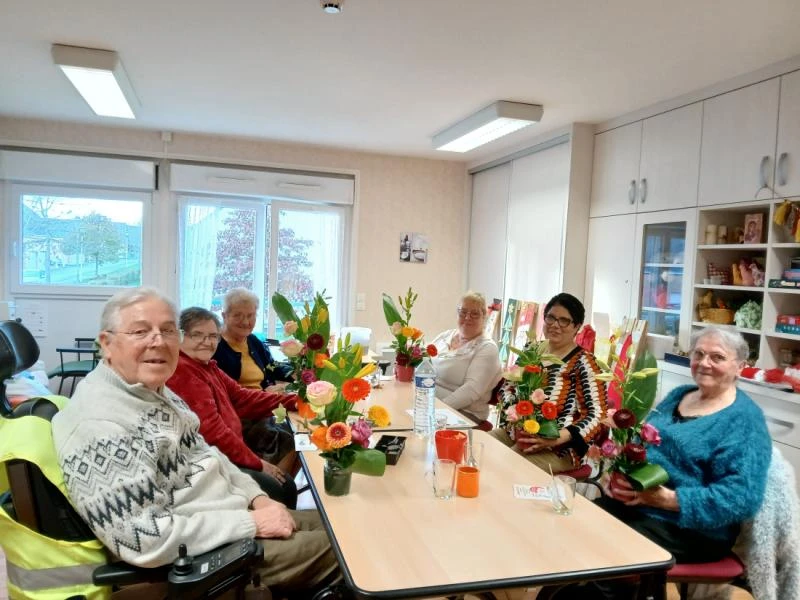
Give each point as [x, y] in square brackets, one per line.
[413, 247]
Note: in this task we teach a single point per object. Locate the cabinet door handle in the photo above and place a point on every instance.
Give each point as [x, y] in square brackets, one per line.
[632, 192]
[764, 173]
[643, 190]
[781, 422]
[781, 171]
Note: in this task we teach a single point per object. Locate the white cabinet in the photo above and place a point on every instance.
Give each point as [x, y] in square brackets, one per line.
[787, 169]
[648, 165]
[609, 269]
[739, 134]
[616, 170]
[670, 162]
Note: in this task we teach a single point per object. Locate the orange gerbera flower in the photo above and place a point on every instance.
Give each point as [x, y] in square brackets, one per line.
[416, 334]
[338, 435]
[354, 390]
[319, 437]
[304, 410]
[319, 359]
[524, 408]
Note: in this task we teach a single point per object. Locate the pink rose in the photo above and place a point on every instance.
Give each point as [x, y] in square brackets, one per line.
[308, 376]
[397, 327]
[321, 393]
[538, 396]
[290, 327]
[360, 431]
[511, 413]
[609, 449]
[291, 347]
[650, 434]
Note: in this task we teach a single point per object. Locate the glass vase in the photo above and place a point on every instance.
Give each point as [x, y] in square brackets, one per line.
[337, 479]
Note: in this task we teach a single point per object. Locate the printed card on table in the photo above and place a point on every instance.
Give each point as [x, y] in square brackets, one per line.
[531, 492]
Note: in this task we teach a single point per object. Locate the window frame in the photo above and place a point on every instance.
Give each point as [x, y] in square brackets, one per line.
[15, 192]
[274, 205]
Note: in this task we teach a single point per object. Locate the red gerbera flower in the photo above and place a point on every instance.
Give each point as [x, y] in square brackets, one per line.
[533, 368]
[431, 350]
[549, 410]
[354, 390]
[524, 408]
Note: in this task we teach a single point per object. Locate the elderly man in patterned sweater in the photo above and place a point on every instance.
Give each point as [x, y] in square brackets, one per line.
[145, 480]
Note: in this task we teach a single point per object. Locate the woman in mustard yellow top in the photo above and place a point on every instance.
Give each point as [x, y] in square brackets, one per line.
[240, 354]
[245, 358]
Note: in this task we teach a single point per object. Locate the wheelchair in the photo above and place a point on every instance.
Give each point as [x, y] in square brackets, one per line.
[40, 527]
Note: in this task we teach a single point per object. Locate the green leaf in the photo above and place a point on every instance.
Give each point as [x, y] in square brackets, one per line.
[390, 311]
[548, 429]
[640, 394]
[283, 308]
[369, 462]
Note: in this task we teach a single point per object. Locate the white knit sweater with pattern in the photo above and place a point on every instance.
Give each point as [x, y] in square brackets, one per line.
[141, 475]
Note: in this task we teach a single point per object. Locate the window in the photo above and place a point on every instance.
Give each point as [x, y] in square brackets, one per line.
[263, 245]
[76, 241]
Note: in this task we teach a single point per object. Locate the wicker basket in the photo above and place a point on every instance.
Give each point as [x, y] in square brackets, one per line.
[720, 316]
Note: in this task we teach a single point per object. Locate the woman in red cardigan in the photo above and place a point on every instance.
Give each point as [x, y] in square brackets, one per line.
[220, 403]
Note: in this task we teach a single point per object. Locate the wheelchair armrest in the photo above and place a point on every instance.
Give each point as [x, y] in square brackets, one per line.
[191, 576]
[121, 573]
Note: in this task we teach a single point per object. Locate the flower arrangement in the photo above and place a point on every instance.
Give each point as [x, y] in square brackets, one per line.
[328, 387]
[633, 388]
[528, 409]
[408, 341]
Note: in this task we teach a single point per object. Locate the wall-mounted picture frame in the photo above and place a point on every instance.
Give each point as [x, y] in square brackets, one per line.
[753, 226]
[413, 247]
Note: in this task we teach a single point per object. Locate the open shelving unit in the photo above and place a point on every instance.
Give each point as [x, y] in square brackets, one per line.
[775, 250]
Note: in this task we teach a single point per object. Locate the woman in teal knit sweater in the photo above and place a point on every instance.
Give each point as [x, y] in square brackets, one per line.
[716, 449]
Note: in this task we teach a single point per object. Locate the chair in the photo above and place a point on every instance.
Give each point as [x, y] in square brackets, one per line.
[50, 551]
[74, 369]
[358, 335]
[726, 570]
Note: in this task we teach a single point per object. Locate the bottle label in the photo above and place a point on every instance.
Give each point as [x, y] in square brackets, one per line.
[424, 381]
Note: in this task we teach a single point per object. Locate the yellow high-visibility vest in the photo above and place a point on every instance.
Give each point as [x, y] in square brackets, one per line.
[39, 567]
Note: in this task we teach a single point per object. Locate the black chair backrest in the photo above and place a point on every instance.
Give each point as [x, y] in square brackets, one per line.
[33, 499]
[18, 351]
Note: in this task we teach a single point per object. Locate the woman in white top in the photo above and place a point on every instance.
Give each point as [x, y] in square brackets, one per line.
[468, 363]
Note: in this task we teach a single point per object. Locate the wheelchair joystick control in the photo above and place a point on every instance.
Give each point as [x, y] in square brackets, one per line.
[182, 564]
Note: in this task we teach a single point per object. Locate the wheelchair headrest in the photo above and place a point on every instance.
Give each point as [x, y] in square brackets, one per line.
[18, 351]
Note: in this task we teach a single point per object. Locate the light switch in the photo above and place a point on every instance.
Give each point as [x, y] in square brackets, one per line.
[361, 301]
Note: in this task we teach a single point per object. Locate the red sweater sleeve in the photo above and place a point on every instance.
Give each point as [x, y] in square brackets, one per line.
[254, 404]
[195, 388]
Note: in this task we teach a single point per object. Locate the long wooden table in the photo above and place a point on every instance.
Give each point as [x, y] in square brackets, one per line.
[397, 398]
[393, 539]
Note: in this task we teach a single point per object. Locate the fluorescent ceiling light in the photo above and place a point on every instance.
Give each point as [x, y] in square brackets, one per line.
[99, 77]
[494, 121]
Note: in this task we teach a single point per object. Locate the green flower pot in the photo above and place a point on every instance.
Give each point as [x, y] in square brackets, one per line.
[337, 479]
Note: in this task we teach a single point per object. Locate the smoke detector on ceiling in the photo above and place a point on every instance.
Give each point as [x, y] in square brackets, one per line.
[332, 8]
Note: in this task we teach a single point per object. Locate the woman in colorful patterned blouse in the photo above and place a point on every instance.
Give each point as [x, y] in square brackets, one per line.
[581, 400]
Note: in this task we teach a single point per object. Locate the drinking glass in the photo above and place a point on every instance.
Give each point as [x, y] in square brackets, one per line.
[444, 478]
[562, 494]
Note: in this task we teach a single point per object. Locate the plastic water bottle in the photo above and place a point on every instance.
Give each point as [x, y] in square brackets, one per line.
[424, 396]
